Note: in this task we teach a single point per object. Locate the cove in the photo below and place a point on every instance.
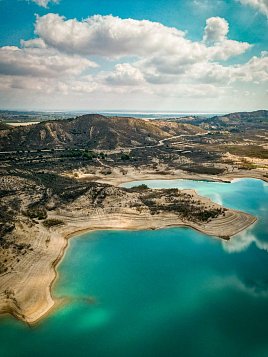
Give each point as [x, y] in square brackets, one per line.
[172, 292]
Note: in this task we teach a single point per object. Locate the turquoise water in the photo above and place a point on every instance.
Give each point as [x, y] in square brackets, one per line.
[172, 292]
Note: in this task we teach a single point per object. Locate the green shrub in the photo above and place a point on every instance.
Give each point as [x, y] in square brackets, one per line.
[52, 222]
[125, 157]
[37, 212]
[140, 187]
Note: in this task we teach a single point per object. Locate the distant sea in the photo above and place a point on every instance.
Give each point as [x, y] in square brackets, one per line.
[165, 293]
[155, 115]
[21, 116]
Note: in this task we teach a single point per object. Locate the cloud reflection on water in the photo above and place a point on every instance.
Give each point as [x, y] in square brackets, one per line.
[242, 241]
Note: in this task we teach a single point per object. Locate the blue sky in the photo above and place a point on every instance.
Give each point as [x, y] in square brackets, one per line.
[216, 61]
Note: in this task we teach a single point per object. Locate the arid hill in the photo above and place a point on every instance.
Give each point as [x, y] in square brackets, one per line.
[92, 132]
[254, 119]
[251, 120]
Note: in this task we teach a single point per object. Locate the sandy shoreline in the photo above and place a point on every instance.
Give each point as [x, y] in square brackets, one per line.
[90, 230]
[117, 178]
[37, 275]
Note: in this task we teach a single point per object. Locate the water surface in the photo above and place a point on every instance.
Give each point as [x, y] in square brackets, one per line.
[172, 292]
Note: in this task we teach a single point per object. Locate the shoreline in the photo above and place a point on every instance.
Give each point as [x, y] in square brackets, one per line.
[143, 175]
[144, 223]
[80, 232]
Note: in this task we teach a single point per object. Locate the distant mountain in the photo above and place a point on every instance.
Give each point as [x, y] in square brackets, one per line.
[233, 121]
[243, 117]
[93, 132]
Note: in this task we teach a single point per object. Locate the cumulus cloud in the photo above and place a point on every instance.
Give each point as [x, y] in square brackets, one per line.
[134, 57]
[114, 37]
[216, 30]
[227, 49]
[259, 5]
[209, 73]
[255, 70]
[45, 3]
[163, 51]
[215, 36]
[40, 62]
[107, 35]
[34, 43]
[125, 74]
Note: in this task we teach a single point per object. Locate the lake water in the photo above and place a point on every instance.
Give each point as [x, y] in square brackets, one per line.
[172, 292]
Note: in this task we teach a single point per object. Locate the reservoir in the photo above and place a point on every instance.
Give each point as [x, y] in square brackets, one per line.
[171, 292]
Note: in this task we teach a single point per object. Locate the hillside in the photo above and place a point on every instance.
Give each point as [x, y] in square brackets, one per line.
[242, 117]
[4, 126]
[92, 132]
[257, 119]
[253, 120]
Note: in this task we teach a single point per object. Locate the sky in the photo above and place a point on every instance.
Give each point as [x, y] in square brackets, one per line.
[206, 56]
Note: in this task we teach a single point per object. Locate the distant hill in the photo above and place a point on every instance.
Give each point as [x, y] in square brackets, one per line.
[258, 118]
[93, 132]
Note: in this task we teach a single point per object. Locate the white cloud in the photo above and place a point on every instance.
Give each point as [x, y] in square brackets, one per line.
[206, 5]
[34, 43]
[166, 48]
[45, 3]
[216, 30]
[126, 75]
[255, 70]
[227, 49]
[259, 5]
[215, 36]
[140, 59]
[113, 37]
[40, 62]
[108, 35]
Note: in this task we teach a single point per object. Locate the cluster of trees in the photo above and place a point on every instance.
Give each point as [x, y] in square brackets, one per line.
[125, 156]
[141, 187]
[38, 212]
[52, 222]
[181, 204]
[83, 154]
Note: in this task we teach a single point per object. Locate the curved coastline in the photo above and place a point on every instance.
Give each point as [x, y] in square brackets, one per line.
[66, 233]
[77, 233]
[143, 175]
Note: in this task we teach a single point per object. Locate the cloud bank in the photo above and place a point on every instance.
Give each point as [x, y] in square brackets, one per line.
[114, 37]
[137, 59]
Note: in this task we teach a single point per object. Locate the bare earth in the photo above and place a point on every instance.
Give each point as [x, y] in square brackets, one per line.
[132, 174]
[26, 291]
